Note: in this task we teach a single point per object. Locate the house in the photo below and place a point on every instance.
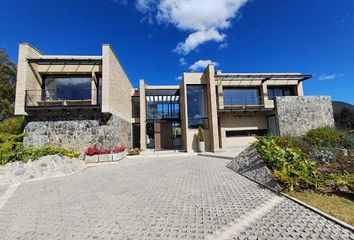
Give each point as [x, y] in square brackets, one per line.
[78, 101]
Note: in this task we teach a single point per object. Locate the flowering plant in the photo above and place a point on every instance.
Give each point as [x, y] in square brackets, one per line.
[93, 150]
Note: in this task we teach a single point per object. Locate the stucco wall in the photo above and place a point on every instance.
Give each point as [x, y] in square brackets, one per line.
[78, 132]
[297, 115]
[240, 122]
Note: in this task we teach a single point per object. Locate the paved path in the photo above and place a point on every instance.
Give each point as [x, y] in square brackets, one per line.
[163, 198]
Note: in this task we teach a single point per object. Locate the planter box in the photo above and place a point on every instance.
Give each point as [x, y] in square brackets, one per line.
[105, 157]
[119, 156]
[91, 159]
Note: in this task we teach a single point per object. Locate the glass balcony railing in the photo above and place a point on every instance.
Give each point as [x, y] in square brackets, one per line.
[58, 99]
[245, 101]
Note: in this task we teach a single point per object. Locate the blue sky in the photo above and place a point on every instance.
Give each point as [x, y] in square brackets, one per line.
[159, 39]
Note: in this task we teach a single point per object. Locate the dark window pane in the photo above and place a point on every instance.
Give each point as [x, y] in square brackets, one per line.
[68, 88]
[242, 133]
[196, 104]
[135, 107]
[280, 91]
[241, 96]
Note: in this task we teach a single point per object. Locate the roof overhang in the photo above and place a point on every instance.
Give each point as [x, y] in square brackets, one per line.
[66, 60]
[261, 77]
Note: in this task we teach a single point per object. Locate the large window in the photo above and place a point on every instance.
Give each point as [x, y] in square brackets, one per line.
[280, 91]
[135, 106]
[67, 87]
[197, 109]
[241, 96]
[162, 107]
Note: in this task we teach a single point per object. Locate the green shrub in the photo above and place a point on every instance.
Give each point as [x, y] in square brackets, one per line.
[13, 125]
[200, 134]
[32, 153]
[290, 165]
[323, 136]
[10, 144]
[323, 154]
[134, 151]
[5, 137]
[348, 139]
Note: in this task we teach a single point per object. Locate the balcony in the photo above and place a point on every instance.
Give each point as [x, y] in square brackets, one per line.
[244, 104]
[54, 99]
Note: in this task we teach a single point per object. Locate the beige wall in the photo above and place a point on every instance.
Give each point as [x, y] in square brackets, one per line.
[116, 87]
[189, 140]
[142, 87]
[240, 122]
[26, 76]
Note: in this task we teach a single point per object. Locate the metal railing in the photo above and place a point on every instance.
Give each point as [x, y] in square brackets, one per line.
[243, 102]
[58, 99]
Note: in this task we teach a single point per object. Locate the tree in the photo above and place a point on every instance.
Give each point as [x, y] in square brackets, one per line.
[344, 119]
[7, 85]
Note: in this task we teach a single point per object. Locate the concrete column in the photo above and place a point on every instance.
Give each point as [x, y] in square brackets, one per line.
[184, 115]
[142, 114]
[300, 90]
[212, 108]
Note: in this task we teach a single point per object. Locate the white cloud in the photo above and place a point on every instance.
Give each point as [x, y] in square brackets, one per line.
[330, 76]
[179, 78]
[197, 38]
[201, 64]
[223, 45]
[182, 61]
[202, 19]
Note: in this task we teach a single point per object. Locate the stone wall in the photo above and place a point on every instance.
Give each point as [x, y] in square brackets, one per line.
[78, 131]
[298, 114]
[251, 164]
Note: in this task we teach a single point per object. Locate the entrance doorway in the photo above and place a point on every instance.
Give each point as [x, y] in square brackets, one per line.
[163, 135]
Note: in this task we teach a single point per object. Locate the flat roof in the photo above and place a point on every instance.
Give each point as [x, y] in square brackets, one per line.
[261, 76]
[58, 59]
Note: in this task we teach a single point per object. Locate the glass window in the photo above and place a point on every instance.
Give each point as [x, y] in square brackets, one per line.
[162, 107]
[135, 107]
[67, 88]
[280, 91]
[196, 103]
[241, 96]
[243, 133]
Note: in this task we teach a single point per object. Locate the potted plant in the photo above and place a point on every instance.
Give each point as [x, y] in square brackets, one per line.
[200, 136]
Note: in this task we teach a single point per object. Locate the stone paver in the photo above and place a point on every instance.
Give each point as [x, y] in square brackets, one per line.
[189, 197]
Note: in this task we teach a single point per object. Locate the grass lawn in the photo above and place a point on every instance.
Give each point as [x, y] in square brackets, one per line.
[339, 207]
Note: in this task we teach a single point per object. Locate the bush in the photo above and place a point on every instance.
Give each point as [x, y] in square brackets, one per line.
[290, 165]
[323, 136]
[348, 140]
[200, 134]
[10, 145]
[12, 125]
[32, 153]
[134, 151]
[323, 155]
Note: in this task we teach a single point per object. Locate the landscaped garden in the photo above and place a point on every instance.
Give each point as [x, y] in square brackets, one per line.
[12, 149]
[317, 168]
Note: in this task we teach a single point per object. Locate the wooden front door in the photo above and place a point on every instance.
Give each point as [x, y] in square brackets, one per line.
[163, 135]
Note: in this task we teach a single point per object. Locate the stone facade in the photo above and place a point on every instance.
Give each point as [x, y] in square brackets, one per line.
[298, 114]
[78, 132]
[251, 164]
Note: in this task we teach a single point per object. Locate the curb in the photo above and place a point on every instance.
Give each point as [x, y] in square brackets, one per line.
[311, 208]
[215, 156]
[318, 211]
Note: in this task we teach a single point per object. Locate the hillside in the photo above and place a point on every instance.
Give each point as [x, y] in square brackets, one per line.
[343, 115]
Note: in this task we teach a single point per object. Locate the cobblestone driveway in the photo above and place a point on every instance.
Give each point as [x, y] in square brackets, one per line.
[159, 198]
